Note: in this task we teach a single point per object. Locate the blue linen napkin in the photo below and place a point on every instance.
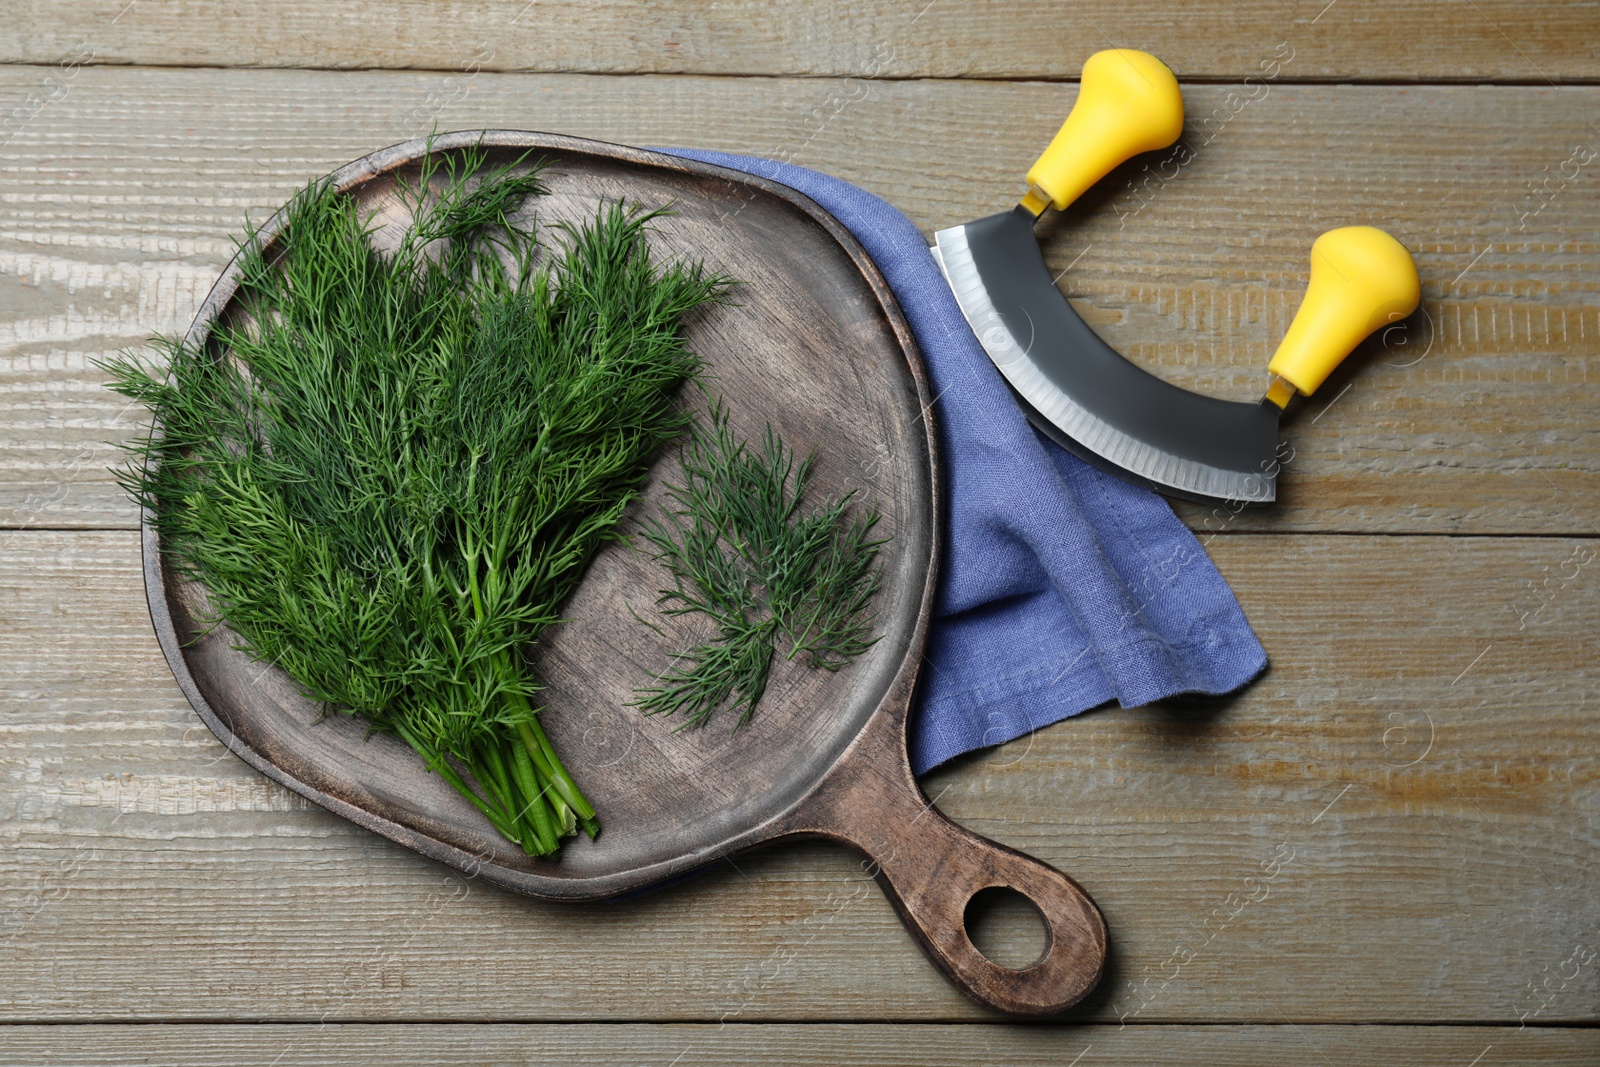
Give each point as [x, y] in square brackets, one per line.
[1062, 587]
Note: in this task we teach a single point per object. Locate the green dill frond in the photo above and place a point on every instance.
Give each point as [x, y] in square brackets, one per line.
[393, 471]
[743, 551]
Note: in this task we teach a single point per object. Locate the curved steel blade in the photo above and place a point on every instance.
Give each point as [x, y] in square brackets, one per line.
[1103, 407]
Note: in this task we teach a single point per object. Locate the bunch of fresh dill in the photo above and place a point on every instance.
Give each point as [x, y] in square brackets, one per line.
[390, 478]
[742, 551]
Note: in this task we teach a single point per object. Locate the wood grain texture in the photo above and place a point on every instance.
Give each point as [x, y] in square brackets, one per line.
[1401, 40]
[1398, 822]
[790, 1045]
[121, 199]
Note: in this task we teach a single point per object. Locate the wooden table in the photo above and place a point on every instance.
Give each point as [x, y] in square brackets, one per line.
[1383, 851]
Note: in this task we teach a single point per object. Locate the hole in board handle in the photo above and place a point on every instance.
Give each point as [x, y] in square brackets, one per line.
[1006, 927]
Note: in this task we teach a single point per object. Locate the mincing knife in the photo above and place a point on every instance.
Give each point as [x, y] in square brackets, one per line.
[1085, 395]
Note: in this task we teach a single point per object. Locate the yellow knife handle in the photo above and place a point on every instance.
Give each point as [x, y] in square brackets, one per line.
[1128, 102]
[1361, 279]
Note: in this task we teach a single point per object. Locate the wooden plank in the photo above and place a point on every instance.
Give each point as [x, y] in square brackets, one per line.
[122, 199]
[1396, 823]
[1400, 40]
[788, 1045]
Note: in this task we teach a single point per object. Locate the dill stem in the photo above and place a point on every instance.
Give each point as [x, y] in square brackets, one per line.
[442, 766]
[448, 773]
[541, 752]
[549, 764]
[566, 818]
[536, 809]
[499, 768]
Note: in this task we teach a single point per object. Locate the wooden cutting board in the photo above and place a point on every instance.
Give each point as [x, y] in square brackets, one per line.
[815, 344]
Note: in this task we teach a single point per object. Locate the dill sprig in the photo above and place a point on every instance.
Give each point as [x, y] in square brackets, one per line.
[744, 552]
[391, 476]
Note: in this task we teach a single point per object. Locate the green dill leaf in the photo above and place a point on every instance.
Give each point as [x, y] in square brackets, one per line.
[393, 470]
[743, 551]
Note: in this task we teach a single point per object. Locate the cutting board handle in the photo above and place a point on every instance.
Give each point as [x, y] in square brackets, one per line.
[931, 868]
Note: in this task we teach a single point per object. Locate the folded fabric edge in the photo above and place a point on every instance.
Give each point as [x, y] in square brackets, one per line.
[1054, 695]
